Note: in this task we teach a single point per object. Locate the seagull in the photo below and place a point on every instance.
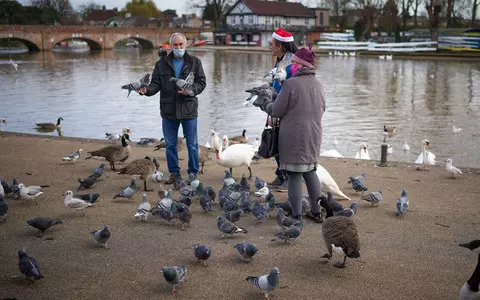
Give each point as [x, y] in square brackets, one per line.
[451, 168]
[30, 192]
[75, 203]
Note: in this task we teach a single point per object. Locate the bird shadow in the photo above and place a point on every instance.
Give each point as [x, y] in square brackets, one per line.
[20, 280]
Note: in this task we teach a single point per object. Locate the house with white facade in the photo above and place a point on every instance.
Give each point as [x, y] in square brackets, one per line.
[251, 22]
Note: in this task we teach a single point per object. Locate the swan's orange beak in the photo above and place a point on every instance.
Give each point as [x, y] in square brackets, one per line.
[217, 154]
[365, 149]
[428, 145]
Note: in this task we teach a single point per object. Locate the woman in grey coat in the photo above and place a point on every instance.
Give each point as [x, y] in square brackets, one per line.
[300, 106]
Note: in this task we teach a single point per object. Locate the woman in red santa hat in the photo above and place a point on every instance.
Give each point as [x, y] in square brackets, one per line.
[283, 47]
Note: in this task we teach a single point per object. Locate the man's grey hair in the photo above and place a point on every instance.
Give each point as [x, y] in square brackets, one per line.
[177, 34]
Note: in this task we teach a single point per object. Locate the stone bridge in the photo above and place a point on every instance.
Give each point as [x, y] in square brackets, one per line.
[42, 38]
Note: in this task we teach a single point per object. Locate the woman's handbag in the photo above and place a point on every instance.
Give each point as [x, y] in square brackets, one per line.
[269, 144]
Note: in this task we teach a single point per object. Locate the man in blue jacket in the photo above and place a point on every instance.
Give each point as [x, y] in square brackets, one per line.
[178, 106]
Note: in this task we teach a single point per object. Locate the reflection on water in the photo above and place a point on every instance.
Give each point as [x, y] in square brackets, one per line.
[424, 99]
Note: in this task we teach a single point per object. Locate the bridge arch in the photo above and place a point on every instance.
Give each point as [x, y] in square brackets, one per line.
[144, 43]
[94, 45]
[29, 44]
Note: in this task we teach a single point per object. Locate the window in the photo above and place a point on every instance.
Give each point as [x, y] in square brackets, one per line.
[233, 20]
[267, 20]
[307, 21]
[321, 19]
[287, 21]
[250, 19]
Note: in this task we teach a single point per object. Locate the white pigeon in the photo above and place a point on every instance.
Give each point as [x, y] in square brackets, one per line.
[75, 203]
[452, 169]
[30, 192]
[143, 209]
[263, 192]
[406, 147]
[74, 156]
[456, 129]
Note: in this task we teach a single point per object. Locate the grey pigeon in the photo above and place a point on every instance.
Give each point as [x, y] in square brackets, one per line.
[282, 220]
[358, 185]
[15, 189]
[211, 193]
[348, 211]
[74, 156]
[374, 197]
[259, 183]
[98, 172]
[186, 83]
[229, 180]
[184, 190]
[202, 253]
[193, 181]
[259, 212]
[135, 86]
[270, 200]
[28, 266]
[92, 198]
[360, 178]
[6, 188]
[233, 216]
[402, 203]
[184, 215]
[233, 197]
[147, 141]
[227, 227]
[247, 250]
[244, 183]
[3, 209]
[289, 234]
[128, 192]
[287, 209]
[43, 224]
[246, 203]
[260, 94]
[205, 200]
[174, 275]
[143, 209]
[86, 183]
[266, 283]
[102, 236]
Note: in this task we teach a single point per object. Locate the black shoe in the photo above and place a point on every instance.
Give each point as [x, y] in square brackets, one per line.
[176, 183]
[316, 217]
[276, 182]
[172, 178]
[283, 188]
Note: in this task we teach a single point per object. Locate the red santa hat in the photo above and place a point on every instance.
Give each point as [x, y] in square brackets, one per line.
[282, 35]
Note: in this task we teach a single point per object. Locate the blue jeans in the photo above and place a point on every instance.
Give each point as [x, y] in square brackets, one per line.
[170, 134]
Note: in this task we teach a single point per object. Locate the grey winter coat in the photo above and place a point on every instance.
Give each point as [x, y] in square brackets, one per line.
[175, 106]
[300, 106]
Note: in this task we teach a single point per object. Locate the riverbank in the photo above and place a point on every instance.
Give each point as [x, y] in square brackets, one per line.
[417, 252]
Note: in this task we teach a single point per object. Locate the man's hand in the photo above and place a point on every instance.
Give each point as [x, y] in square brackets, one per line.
[187, 92]
[142, 91]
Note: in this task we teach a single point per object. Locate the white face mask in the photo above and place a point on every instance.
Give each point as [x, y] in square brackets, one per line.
[178, 53]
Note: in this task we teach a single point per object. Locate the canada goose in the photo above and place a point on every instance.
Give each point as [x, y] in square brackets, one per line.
[162, 145]
[113, 153]
[426, 158]
[239, 139]
[2, 120]
[389, 130]
[50, 125]
[471, 289]
[143, 167]
[203, 155]
[340, 235]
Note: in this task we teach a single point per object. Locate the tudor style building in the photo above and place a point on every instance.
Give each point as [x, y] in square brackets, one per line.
[251, 22]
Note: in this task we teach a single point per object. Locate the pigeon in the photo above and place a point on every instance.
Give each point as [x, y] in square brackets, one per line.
[278, 74]
[157, 175]
[244, 183]
[287, 209]
[186, 83]
[270, 200]
[148, 141]
[128, 192]
[263, 91]
[75, 203]
[43, 224]
[184, 215]
[229, 180]
[92, 198]
[74, 156]
[333, 204]
[233, 216]
[361, 178]
[135, 86]
[374, 197]
[15, 189]
[29, 193]
[259, 212]
[3, 209]
[211, 193]
[193, 181]
[227, 227]
[86, 183]
[452, 169]
[289, 234]
[205, 200]
[266, 283]
[358, 185]
[184, 190]
[28, 266]
[232, 199]
[102, 236]
[259, 183]
[402, 203]
[282, 220]
[263, 192]
[98, 172]
[5, 189]
[348, 211]
[143, 209]
[246, 202]
[174, 275]
[202, 253]
[247, 250]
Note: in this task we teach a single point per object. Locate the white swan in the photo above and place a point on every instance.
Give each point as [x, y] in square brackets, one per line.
[456, 129]
[426, 157]
[406, 147]
[233, 156]
[328, 183]
[362, 152]
[331, 153]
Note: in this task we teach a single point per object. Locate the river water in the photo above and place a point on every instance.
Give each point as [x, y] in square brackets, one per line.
[423, 99]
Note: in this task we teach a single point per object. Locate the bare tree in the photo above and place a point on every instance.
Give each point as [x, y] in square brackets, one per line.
[63, 7]
[370, 10]
[338, 8]
[434, 8]
[87, 6]
[450, 4]
[475, 5]
[416, 5]
[405, 6]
